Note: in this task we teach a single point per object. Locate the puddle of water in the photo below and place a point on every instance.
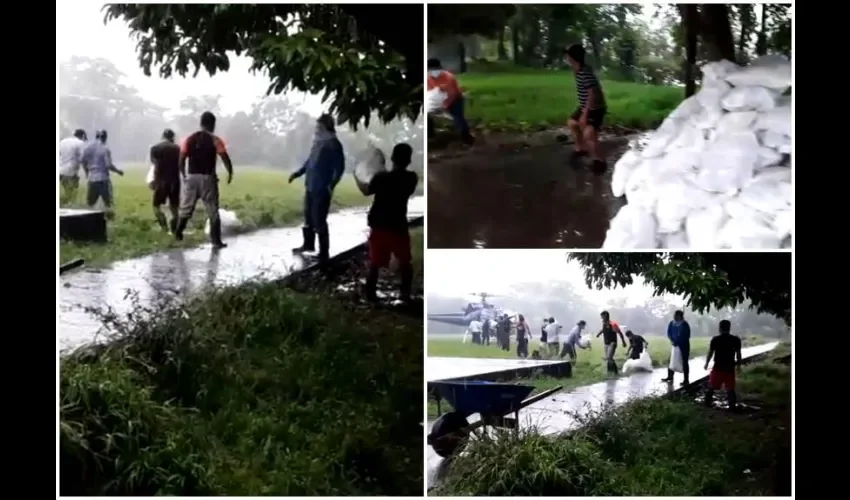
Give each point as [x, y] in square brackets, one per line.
[557, 413]
[262, 255]
[528, 199]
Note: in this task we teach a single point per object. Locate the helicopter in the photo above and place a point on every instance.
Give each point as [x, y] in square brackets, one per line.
[474, 311]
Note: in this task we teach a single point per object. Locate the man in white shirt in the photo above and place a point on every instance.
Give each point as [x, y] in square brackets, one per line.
[70, 161]
[474, 329]
[571, 340]
[553, 336]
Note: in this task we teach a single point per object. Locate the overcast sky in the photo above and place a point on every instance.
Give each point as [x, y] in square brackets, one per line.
[80, 31]
[456, 273]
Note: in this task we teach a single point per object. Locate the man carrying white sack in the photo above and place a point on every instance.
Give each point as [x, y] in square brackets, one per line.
[571, 341]
[454, 103]
[586, 120]
[679, 333]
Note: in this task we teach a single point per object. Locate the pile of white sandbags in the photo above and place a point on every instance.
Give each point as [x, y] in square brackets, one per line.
[717, 172]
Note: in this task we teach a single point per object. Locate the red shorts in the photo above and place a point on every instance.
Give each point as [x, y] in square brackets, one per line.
[718, 379]
[383, 244]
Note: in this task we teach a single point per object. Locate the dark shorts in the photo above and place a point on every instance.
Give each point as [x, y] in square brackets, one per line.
[569, 349]
[99, 190]
[595, 117]
[167, 192]
[383, 244]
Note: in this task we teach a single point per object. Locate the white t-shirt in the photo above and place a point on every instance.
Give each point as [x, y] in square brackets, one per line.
[553, 332]
[474, 326]
[70, 156]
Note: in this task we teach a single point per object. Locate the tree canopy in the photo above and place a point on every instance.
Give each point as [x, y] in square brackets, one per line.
[361, 58]
[705, 280]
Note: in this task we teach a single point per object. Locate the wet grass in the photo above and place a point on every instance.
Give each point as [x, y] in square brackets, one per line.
[261, 198]
[650, 447]
[526, 100]
[254, 390]
[590, 368]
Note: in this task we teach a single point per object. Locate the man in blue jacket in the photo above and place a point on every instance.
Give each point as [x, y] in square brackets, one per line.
[679, 333]
[323, 169]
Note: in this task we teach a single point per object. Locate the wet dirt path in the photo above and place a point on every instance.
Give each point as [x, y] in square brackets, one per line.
[264, 254]
[557, 413]
[527, 198]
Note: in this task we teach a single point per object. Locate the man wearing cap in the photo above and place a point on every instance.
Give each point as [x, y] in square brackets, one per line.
[165, 157]
[323, 171]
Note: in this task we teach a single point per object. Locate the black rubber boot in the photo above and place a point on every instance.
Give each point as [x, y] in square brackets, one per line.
[172, 225]
[599, 167]
[370, 291]
[181, 226]
[309, 244]
[324, 247]
[160, 219]
[406, 282]
[669, 376]
[215, 234]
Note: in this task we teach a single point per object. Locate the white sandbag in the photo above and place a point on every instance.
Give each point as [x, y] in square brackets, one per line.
[584, 342]
[435, 100]
[676, 363]
[716, 173]
[230, 223]
[149, 178]
[372, 162]
[642, 364]
[773, 73]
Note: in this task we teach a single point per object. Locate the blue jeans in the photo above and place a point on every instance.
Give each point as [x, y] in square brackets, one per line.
[456, 112]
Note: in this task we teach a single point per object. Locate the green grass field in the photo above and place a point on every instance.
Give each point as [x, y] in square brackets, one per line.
[649, 447]
[248, 391]
[261, 198]
[589, 369]
[522, 100]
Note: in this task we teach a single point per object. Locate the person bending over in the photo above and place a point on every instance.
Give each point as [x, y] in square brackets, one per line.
[446, 81]
[586, 120]
[165, 157]
[388, 231]
[571, 341]
[636, 345]
[198, 155]
[726, 351]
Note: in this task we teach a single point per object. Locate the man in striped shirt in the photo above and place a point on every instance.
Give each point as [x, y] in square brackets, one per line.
[586, 121]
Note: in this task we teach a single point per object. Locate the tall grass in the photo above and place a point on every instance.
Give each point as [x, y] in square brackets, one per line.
[256, 390]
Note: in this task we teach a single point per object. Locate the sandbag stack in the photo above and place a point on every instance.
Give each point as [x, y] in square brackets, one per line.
[717, 172]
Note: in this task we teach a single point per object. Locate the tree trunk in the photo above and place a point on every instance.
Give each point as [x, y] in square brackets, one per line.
[515, 43]
[690, 23]
[717, 32]
[461, 52]
[502, 54]
[595, 49]
[761, 43]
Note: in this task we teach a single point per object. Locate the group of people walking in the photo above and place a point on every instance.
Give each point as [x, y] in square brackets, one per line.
[185, 173]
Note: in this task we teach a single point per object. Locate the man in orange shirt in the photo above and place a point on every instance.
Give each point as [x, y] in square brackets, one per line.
[445, 81]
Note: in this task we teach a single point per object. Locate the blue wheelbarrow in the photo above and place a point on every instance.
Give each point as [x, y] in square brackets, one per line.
[492, 401]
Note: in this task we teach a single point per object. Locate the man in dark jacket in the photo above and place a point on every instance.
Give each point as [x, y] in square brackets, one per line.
[323, 169]
[679, 333]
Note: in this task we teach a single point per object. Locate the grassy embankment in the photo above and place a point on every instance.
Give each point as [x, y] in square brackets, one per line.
[589, 369]
[651, 447]
[261, 198]
[254, 390]
[510, 99]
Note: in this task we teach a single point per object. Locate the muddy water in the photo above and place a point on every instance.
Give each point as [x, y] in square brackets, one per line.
[558, 413]
[262, 254]
[531, 198]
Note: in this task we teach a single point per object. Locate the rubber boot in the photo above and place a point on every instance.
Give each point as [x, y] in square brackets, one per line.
[669, 376]
[215, 234]
[732, 397]
[181, 226]
[324, 247]
[709, 398]
[406, 283]
[172, 225]
[160, 219]
[371, 289]
[309, 244]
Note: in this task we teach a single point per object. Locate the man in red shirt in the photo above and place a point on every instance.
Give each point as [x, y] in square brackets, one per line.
[445, 81]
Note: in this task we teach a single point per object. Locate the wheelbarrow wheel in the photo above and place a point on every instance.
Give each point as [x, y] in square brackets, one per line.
[449, 433]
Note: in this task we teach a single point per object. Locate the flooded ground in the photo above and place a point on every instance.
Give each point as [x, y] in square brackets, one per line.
[558, 412]
[530, 197]
[262, 254]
